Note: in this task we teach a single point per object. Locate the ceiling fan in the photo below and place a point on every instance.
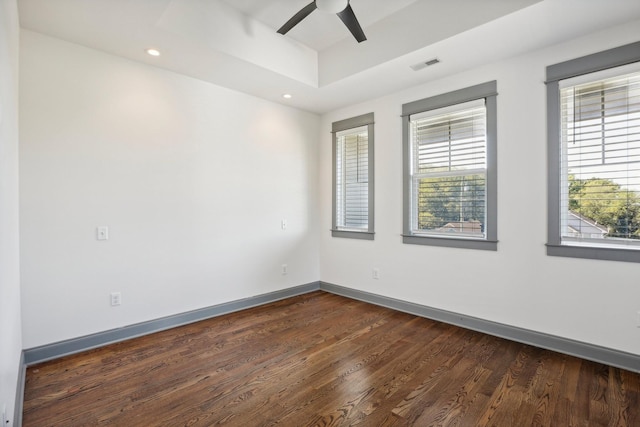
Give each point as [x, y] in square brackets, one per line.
[342, 8]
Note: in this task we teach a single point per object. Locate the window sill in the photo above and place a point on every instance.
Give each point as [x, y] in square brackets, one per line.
[362, 235]
[592, 252]
[486, 245]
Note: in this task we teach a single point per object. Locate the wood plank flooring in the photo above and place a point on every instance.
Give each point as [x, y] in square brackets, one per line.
[324, 360]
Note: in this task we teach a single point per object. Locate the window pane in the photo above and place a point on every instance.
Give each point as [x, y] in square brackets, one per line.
[352, 179]
[451, 205]
[449, 149]
[450, 142]
[600, 195]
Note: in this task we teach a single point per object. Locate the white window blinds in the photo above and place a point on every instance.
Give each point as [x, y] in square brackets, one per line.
[449, 161]
[352, 179]
[600, 179]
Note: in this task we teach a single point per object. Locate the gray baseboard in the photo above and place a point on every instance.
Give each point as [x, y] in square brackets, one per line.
[620, 359]
[583, 350]
[88, 342]
[22, 376]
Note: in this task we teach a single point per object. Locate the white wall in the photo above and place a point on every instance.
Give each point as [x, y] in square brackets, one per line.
[589, 301]
[10, 323]
[192, 179]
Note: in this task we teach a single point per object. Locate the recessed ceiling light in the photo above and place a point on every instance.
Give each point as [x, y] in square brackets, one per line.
[153, 52]
[287, 96]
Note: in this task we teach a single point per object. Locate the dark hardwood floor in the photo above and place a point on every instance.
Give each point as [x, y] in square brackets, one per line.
[324, 360]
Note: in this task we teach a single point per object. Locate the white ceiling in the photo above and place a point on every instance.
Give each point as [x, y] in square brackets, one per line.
[233, 43]
[319, 30]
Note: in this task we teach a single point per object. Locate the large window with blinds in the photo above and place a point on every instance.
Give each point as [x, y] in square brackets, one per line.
[595, 160]
[450, 173]
[353, 177]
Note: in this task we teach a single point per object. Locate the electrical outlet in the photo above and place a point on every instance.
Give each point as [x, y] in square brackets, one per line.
[283, 224]
[5, 421]
[284, 269]
[375, 274]
[638, 319]
[116, 298]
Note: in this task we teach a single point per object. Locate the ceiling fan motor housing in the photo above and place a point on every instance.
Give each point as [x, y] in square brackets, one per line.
[332, 6]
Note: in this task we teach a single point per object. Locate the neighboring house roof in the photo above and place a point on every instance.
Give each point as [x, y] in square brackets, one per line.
[462, 227]
[585, 226]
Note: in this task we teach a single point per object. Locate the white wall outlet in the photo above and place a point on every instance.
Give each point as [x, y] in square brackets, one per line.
[375, 273]
[102, 232]
[283, 224]
[116, 298]
[284, 269]
[638, 318]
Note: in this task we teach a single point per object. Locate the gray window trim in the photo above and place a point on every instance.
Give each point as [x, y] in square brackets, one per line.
[611, 58]
[488, 91]
[351, 123]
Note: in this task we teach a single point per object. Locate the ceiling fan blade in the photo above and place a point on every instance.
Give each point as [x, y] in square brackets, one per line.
[350, 20]
[295, 19]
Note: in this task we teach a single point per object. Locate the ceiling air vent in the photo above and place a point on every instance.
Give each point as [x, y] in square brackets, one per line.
[425, 64]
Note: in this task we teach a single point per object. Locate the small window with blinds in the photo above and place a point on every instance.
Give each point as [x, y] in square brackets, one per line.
[593, 119]
[353, 178]
[451, 146]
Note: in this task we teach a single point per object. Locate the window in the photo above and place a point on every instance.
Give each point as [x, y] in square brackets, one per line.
[353, 178]
[594, 156]
[450, 169]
